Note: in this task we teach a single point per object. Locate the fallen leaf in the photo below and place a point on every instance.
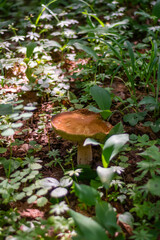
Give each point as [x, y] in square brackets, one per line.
[31, 213]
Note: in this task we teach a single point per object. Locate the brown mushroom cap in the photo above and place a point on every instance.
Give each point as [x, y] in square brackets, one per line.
[80, 124]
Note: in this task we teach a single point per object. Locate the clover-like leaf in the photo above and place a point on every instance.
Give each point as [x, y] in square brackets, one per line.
[59, 192]
[49, 182]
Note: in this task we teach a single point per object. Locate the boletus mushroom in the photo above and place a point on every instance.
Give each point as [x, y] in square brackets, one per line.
[78, 125]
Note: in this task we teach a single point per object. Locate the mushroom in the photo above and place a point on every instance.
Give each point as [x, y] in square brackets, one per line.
[78, 125]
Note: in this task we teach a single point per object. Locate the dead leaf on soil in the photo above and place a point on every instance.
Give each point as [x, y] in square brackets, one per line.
[31, 213]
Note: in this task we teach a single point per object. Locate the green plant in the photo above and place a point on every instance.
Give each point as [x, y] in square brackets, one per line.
[111, 147]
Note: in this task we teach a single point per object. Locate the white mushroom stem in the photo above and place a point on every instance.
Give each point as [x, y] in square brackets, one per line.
[84, 154]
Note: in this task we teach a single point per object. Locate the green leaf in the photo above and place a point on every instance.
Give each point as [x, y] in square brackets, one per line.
[35, 166]
[32, 199]
[29, 108]
[49, 182]
[16, 125]
[26, 115]
[5, 109]
[117, 129]
[8, 132]
[156, 9]
[41, 201]
[90, 51]
[153, 186]
[106, 175]
[86, 194]
[131, 54]
[101, 96]
[66, 181]
[155, 126]
[113, 146]
[147, 100]
[3, 150]
[106, 217]
[87, 228]
[127, 218]
[89, 141]
[30, 48]
[19, 196]
[42, 192]
[59, 192]
[105, 114]
[134, 118]
[151, 152]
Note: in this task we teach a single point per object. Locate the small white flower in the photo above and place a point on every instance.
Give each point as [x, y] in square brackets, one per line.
[74, 172]
[33, 35]
[59, 208]
[17, 38]
[48, 26]
[21, 50]
[118, 169]
[33, 64]
[44, 83]
[69, 33]
[4, 44]
[56, 33]
[46, 16]
[67, 22]
[38, 49]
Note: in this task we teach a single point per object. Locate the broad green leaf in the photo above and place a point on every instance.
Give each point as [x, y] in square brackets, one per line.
[16, 125]
[156, 9]
[105, 114]
[5, 109]
[106, 217]
[19, 196]
[8, 132]
[127, 218]
[134, 118]
[113, 146]
[94, 109]
[155, 126]
[117, 129]
[26, 115]
[86, 194]
[90, 51]
[106, 175]
[59, 192]
[49, 182]
[66, 181]
[3, 127]
[32, 199]
[147, 100]
[42, 201]
[87, 228]
[42, 192]
[153, 186]
[3, 150]
[101, 96]
[35, 166]
[30, 48]
[29, 108]
[18, 107]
